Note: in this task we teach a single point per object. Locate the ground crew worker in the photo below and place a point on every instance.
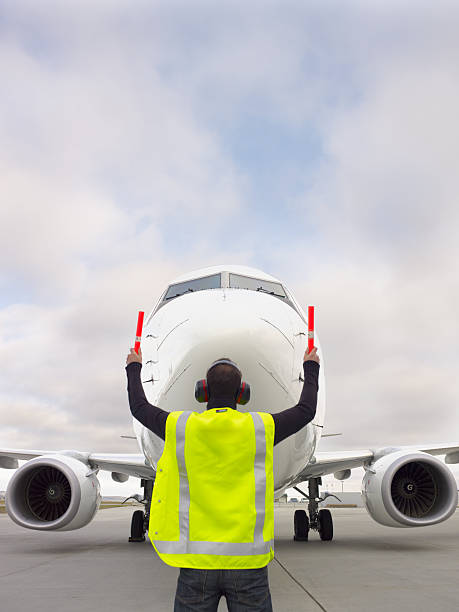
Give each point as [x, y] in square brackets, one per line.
[206, 535]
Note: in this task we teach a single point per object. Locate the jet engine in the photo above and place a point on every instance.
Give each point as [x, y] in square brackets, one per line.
[53, 493]
[409, 489]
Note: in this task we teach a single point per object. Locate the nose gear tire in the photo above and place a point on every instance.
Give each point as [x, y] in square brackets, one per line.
[137, 527]
[301, 526]
[325, 525]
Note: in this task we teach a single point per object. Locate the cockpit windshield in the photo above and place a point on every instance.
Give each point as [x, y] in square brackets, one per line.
[196, 284]
[228, 280]
[237, 281]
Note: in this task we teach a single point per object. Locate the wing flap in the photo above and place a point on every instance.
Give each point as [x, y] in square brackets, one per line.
[20, 453]
[434, 449]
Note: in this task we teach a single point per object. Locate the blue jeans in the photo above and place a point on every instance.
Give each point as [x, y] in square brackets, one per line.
[200, 590]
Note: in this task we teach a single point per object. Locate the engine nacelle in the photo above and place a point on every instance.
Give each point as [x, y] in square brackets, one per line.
[409, 489]
[53, 493]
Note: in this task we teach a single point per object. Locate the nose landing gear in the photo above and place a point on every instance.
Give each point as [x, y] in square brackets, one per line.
[141, 518]
[319, 520]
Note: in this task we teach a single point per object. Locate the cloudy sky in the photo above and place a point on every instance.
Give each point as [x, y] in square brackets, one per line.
[318, 141]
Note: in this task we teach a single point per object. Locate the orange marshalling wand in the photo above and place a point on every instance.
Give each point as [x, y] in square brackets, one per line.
[138, 335]
[310, 328]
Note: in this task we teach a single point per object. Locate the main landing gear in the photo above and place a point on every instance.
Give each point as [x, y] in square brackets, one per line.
[141, 518]
[319, 520]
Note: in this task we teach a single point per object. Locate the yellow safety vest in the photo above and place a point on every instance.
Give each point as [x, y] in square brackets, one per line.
[213, 499]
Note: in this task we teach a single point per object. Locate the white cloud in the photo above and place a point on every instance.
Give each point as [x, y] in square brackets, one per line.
[117, 174]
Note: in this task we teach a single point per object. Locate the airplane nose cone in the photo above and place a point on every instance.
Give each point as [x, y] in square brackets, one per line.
[231, 327]
[255, 330]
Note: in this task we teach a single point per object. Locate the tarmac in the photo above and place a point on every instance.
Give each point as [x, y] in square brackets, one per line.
[365, 567]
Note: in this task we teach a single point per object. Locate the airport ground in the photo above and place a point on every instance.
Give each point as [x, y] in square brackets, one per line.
[366, 567]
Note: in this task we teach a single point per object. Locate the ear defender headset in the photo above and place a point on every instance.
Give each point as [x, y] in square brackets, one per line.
[201, 390]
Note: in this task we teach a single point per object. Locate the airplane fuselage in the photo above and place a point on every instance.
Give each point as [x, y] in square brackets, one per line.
[264, 335]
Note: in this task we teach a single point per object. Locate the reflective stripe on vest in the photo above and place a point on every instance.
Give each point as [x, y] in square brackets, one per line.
[184, 545]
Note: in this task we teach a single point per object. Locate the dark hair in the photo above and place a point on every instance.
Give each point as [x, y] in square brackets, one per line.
[223, 380]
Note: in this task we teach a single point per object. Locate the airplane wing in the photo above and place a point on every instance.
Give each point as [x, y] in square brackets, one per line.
[134, 464]
[323, 463]
[131, 464]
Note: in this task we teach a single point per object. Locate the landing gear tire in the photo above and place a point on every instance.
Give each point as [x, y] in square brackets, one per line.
[301, 526]
[137, 527]
[141, 518]
[325, 525]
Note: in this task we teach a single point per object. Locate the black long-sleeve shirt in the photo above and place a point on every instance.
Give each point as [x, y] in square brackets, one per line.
[286, 422]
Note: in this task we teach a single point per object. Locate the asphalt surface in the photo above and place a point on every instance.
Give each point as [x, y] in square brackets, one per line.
[366, 567]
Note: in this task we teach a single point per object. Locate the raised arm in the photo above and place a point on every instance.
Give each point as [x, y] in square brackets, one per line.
[293, 419]
[152, 417]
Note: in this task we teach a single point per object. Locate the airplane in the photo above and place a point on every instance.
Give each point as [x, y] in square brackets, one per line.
[254, 319]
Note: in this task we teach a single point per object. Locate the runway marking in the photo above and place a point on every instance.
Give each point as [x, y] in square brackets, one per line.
[299, 584]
